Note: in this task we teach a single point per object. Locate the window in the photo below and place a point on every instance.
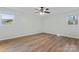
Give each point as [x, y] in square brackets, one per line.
[6, 19]
[72, 20]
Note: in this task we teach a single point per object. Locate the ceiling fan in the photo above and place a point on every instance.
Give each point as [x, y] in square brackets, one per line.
[43, 10]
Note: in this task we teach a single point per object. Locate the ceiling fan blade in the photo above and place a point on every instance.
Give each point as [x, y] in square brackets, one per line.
[47, 8]
[37, 9]
[47, 12]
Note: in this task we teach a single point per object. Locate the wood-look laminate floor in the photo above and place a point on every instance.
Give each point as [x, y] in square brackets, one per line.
[40, 43]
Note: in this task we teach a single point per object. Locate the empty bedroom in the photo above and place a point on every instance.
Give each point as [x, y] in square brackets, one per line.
[39, 29]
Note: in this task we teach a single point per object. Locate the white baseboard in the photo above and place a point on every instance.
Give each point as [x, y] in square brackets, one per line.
[15, 36]
[36, 33]
[77, 37]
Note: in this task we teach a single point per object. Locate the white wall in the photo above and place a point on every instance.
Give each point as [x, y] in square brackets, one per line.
[24, 25]
[27, 24]
[56, 24]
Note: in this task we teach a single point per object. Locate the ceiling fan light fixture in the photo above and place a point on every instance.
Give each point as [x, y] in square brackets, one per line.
[41, 13]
